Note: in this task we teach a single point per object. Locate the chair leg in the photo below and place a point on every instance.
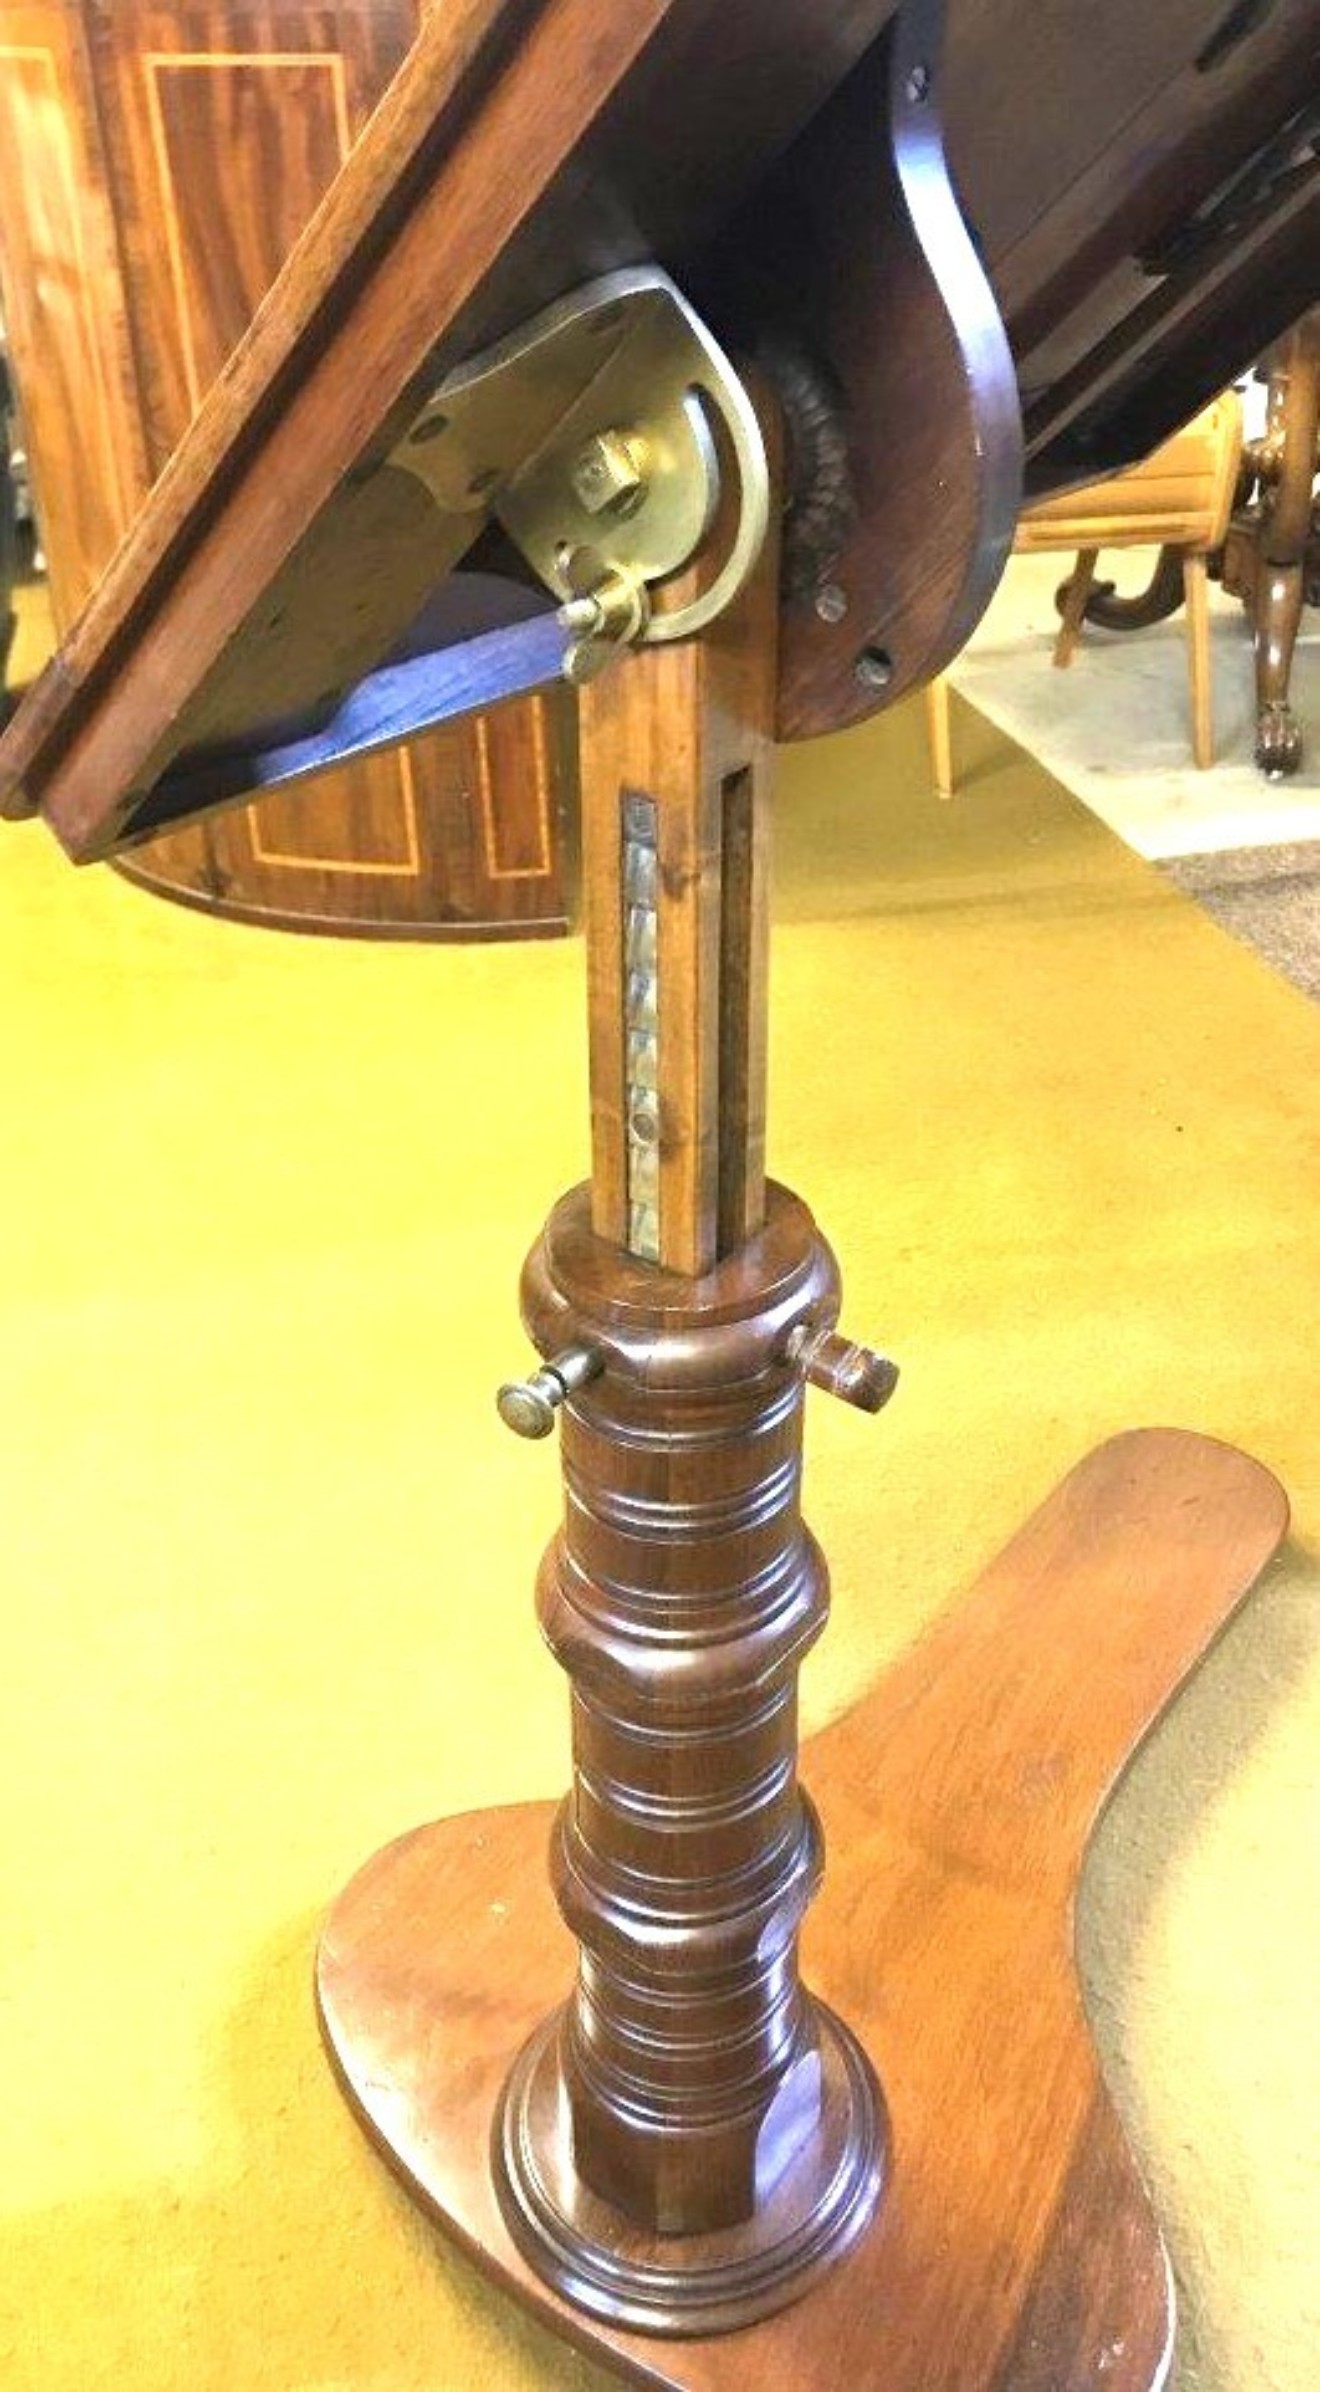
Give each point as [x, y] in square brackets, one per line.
[1196, 584]
[939, 735]
[1074, 605]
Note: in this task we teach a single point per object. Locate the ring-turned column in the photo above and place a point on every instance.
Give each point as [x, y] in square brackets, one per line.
[692, 2138]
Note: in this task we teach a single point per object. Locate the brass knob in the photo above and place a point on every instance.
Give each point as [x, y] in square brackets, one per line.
[855, 1373]
[608, 612]
[528, 1406]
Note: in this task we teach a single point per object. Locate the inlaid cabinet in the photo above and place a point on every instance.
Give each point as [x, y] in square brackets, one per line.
[157, 164]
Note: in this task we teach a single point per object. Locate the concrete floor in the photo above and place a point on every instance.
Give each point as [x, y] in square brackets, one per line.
[1115, 730]
[1115, 727]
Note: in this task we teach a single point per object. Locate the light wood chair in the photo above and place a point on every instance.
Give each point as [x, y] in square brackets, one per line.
[1180, 497]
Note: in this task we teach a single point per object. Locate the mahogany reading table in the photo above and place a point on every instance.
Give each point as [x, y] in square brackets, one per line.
[702, 352]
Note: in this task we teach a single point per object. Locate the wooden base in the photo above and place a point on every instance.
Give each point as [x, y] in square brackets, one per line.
[691, 2284]
[1014, 2249]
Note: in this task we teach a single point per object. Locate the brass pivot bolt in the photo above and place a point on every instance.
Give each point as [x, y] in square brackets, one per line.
[604, 620]
[855, 1373]
[609, 474]
[528, 1406]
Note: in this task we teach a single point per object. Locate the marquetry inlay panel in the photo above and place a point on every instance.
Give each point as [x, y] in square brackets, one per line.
[84, 448]
[512, 752]
[217, 121]
[332, 835]
[640, 932]
[160, 159]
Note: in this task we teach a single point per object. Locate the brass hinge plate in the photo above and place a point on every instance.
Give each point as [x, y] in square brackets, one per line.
[589, 435]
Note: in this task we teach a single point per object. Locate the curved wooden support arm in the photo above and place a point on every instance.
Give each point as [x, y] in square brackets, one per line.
[858, 247]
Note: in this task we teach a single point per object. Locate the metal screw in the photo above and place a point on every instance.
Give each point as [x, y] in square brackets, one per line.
[639, 816]
[528, 1406]
[604, 622]
[484, 481]
[855, 1373]
[874, 668]
[917, 86]
[831, 602]
[582, 614]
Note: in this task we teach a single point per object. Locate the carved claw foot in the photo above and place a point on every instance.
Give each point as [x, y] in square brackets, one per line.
[1278, 741]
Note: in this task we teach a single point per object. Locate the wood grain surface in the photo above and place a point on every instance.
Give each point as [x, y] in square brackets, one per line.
[855, 254]
[1015, 2250]
[1082, 161]
[518, 153]
[160, 161]
[689, 728]
[1272, 561]
[700, 2139]
[512, 158]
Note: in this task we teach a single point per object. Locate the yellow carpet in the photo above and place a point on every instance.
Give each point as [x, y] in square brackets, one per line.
[269, 1553]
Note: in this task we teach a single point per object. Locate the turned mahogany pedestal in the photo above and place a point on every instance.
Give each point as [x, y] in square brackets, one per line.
[891, 2166]
[1014, 2248]
[693, 2138]
[895, 2168]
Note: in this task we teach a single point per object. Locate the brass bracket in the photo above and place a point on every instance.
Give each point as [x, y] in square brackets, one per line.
[589, 435]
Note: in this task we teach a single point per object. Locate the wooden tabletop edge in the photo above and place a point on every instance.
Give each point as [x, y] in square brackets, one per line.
[458, 49]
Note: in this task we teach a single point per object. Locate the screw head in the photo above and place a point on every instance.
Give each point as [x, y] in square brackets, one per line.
[917, 86]
[874, 668]
[831, 602]
[639, 817]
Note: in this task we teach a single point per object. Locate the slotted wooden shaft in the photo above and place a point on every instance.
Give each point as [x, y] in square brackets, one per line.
[676, 755]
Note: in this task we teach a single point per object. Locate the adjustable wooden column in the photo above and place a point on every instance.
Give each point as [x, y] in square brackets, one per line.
[608, 2078]
[692, 2138]
[624, 2103]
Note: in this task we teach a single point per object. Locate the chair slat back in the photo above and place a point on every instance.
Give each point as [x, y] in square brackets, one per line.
[1181, 495]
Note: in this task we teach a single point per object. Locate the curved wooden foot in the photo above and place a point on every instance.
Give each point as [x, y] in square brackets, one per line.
[1279, 746]
[1285, 533]
[1278, 615]
[1016, 2251]
[1162, 597]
